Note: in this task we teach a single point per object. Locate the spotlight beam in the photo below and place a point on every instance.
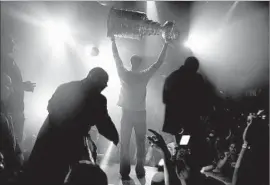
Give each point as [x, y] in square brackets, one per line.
[57, 32]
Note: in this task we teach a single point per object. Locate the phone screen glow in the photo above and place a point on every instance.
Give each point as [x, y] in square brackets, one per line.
[184, 140]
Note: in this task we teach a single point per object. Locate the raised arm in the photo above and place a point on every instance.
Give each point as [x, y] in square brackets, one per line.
[170, 175]
[154, 67]
[119, 64]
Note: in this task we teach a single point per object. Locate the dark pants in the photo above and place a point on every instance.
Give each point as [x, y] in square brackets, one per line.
[18, 120]
[130, 120]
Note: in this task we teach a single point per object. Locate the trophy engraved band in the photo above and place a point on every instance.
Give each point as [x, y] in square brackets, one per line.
[136, 25]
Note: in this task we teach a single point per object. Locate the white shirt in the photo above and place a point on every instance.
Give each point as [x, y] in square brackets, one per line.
[133, 90]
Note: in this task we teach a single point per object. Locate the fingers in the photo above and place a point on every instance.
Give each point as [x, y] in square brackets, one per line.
[30, 83]
[151, 139]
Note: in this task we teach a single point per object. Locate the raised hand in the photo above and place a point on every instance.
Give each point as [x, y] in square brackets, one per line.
[168, 28]
[249, 122]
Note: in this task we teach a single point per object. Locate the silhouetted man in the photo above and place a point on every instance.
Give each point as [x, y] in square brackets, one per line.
[184, 98]
[16, 103]
[132, 100]
[8, 144]
[182, 95]
[62, 140]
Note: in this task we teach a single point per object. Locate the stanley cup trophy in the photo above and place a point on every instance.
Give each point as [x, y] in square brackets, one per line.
[136, 25]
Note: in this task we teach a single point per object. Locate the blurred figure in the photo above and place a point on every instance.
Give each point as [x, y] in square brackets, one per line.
[184, 96]
[226, 163]
[252, 166]
[9, 148]
[16, 104]
[63, 139]
[132, 99]
[2, 163]
[92, 142]
[171, 175]
[28, 145]
[2, 169]
[86, 173]
[232, 154]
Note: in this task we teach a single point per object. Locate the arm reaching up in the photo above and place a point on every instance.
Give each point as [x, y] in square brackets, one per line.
[170, 175]
[154, 67]
[119, 64]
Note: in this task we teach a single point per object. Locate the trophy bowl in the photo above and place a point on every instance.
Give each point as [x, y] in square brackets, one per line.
[136, 25]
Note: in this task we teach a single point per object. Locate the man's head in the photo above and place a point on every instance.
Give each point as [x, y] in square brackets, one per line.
[97, 78]
[192, 64]
[136, 61]
[232, 148]
[6, 87]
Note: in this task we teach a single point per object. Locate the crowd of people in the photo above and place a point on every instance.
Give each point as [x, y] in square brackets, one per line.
[64, 152]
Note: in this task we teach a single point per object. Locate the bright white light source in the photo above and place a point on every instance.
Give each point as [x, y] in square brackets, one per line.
[161, 162]
[87, 50]
[107, 156]
[58, 34]
[195, 42]
[57, 31]
[152, 13]
[184, 139]
[187, 44]
[199, 43]
[39, 106]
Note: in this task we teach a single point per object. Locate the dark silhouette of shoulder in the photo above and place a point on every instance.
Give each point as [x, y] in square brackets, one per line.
[64, 94]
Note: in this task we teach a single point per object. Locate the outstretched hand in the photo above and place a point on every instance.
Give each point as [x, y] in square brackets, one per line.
[249, 122]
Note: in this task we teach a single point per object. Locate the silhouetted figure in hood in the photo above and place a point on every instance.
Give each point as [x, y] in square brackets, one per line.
[185, 101]
[62, 140]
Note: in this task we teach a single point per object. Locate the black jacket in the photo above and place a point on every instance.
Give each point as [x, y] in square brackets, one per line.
[10, 67]
[61, 139]
[183, 96]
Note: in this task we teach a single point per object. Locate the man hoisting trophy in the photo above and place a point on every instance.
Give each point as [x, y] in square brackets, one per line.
[132, 99]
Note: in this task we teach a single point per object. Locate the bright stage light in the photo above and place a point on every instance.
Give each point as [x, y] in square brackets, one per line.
[199, 43]
[39, 106]
[106, 157]
[58, 33]
[187, 44]
[152, 13]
